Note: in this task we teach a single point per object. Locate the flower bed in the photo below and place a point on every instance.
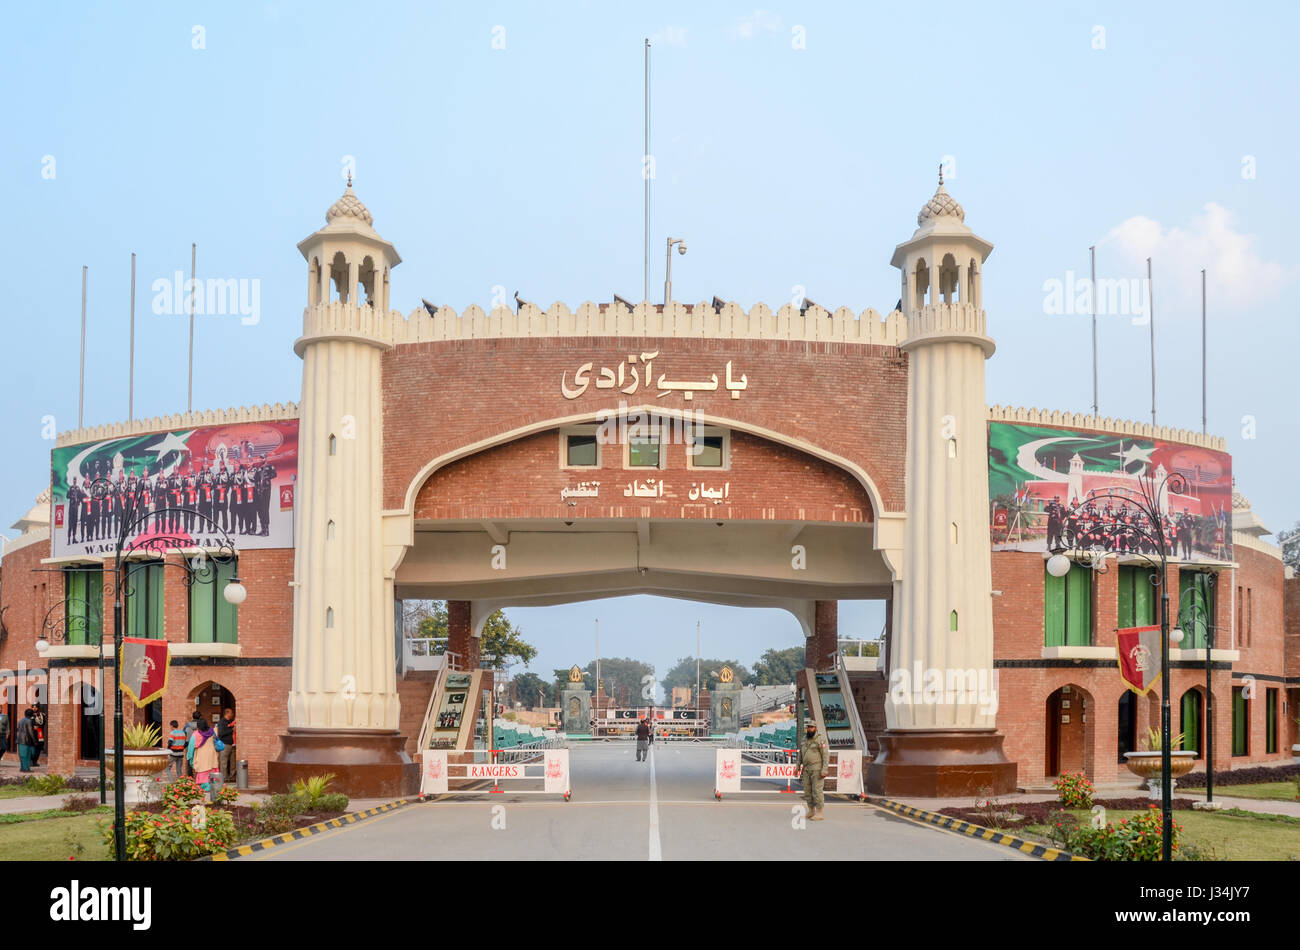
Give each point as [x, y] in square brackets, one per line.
[1250, 776]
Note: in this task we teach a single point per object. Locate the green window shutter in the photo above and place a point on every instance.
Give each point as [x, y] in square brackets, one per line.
[227, 614]
[74, 608]
[1144, 599]
[1190, 726]
[1126, 603]
[94, 581]
[155, 602]
[1238, 720]
[1078, 603]
[200, 612]
[1270, 721]
[1053, 610]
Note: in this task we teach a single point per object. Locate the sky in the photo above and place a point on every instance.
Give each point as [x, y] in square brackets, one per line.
[499, 147]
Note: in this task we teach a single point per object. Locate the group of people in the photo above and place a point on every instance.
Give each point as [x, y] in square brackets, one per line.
[234, 493]
[1125, 530]
[29, 736]
[204, 751]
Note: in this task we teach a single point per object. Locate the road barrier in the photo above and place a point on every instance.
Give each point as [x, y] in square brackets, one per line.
[514, 772]
[776, 771]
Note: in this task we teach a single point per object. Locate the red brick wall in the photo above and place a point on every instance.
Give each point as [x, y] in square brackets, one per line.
[260, 692]
[825, 639]
[523, 479]
[848, 399]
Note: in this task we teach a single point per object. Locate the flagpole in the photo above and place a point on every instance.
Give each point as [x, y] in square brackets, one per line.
[189, 401]
[1204, 423]
[1151, 318]
[645, 174]
[81, 385]
[1092, 256]
[130, 385]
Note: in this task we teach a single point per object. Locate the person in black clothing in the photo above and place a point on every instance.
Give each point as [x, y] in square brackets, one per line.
[74, 510]
[642, 739]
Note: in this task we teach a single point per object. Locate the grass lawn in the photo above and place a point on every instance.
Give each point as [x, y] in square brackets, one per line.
[1273, 791]
[52, 836]
[1228, 835]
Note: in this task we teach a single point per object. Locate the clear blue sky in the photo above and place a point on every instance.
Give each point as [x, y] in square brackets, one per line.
[520, 167]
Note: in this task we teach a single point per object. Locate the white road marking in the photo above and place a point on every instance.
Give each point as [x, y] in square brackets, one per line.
[655, 853]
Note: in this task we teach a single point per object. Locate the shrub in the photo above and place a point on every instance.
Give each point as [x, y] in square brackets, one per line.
[333, 801]
[176, 834]
[311, 789]
[79, 803]
[47, 784]
[1133, 839]
[145, 736]
[1073, 790]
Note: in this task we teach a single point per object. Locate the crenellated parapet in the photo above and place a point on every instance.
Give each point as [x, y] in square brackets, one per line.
[1055, 418]
[180, 420]
[683, 321]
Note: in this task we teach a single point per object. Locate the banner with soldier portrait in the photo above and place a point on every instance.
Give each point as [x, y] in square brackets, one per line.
[199, 485]
[1053, 488]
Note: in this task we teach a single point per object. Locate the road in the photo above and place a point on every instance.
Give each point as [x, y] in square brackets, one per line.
[632, 811]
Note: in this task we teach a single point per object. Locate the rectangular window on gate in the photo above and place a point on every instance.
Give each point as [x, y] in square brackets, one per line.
[212, 618]
[1240, 721]
[643, 450]
[1137, 597]
[83, 605]
[1067, 608]
[143, 581]
[710, 448]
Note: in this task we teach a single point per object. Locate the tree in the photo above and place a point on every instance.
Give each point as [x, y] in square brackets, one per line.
[683, 674]
[501, 639]
[1290, 542]
[778, 667]
[533, 691]
[622, 676]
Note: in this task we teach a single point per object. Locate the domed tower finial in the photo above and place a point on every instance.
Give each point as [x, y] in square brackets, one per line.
[941, 174]
[350, 178]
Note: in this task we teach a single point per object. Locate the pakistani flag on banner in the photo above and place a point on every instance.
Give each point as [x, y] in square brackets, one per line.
[143, 666]
[1139, 657]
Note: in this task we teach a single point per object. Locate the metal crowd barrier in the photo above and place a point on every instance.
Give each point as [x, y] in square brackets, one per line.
[776, 771]
[512, 771]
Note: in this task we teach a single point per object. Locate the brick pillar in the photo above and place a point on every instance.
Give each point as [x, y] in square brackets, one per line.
[460, 635]
[1105, 606]
[821, 646]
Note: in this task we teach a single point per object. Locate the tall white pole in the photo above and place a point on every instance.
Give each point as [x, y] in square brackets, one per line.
[598, 668]
[130, 383]
[1151, 316]
[697, 665]
[194, 250]
[81, 384]
[1204, 422]
[645, 174]
[1092, 256]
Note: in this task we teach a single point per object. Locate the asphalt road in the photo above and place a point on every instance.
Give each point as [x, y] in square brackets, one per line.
[626, 810]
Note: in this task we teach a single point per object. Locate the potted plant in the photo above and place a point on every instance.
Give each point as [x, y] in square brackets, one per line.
[1146, 764]
[142, 759]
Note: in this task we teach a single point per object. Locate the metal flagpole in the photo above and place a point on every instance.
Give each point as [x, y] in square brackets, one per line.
[597, 667]
[1092, 256]
[130, 384]
[81, 385]
[697, 669]
[189, 402]
[645, 174]
[1204, 424]
[1151, 317]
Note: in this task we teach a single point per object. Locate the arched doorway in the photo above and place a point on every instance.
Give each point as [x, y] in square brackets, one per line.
[1191, 712]
[90, 736]
[211, 699]
[1126, 740]
[1069, 733]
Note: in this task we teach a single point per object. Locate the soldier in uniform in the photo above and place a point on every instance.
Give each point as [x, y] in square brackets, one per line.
[221, 486]
[1186, 533]
[173, 502]
[203, 485]
[243, 492]
[74, 510]
[190, 487]
[160, 499]
[265, 486]
[813, 759]
[1055, 521]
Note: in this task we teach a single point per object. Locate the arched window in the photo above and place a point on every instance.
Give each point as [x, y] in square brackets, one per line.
[329, 531]
[952, 622]
[329, 618]
[334, 445]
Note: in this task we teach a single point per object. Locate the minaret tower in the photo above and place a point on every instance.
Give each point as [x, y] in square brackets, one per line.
[941, 705]
[343, 703]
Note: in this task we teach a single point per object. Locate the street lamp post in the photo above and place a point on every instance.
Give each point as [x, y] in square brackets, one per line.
[1146, 537]
[1197, 613]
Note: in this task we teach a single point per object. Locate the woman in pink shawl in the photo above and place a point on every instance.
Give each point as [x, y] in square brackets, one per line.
[202, 753]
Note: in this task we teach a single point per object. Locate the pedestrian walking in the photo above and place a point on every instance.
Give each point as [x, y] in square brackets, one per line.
[642, 739]
[813, 757]
[226, 733]
[202, 754]
[190, 726]
[4, 733]
[38, 720]
[26, 740]
[176, 742]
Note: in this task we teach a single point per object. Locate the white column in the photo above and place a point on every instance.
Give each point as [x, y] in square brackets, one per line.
[343, 676]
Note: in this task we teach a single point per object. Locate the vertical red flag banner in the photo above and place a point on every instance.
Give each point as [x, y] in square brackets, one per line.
[143, 666]
[1139, 657]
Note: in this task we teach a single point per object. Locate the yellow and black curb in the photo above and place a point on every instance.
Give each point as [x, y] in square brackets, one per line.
[343, 821]
[1031, 848]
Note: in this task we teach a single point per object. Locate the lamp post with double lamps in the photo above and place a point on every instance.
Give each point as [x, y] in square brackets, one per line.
[61, 624]
[203, 567]
[1141, 530]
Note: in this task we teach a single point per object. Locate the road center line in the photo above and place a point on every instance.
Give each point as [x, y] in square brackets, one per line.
[655, 853]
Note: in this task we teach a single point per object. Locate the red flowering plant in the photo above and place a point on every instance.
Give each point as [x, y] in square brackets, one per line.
[185, 829]
[1073, 790]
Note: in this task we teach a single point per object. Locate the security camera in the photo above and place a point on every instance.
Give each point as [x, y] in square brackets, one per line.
[681, 247]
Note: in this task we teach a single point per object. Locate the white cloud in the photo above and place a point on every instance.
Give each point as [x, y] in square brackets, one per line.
[1237, 275]
[669, 36]
[748, 27]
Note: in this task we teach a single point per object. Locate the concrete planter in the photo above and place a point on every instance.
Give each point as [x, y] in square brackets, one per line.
[1147, 765]
[140, 766]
